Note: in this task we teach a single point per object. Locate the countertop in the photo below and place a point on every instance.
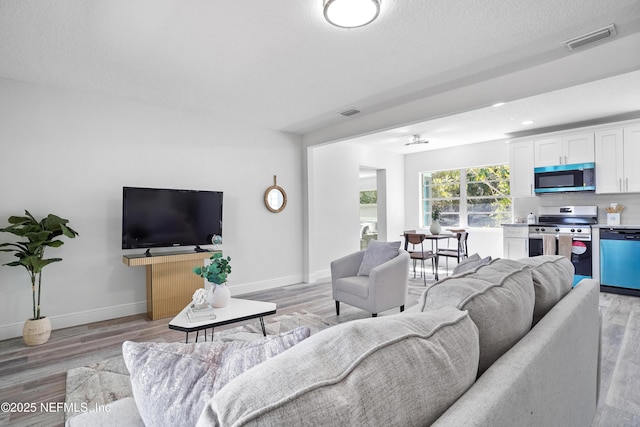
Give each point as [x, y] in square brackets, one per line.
[600, 225]
[624, 226]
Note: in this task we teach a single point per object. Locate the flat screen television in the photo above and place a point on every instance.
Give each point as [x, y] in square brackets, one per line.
[159, 217]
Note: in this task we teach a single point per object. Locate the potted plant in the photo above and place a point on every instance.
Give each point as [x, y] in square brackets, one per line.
[216, 273]
[435, 224]
[38, 236]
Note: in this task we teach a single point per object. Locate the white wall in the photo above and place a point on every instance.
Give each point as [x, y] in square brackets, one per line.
[483, 241]
[334, 220]
[70, 154]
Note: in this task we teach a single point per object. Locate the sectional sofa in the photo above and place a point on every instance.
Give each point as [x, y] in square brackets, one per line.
[505, 343]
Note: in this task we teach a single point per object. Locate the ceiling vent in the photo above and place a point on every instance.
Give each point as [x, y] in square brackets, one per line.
[592, 37]
[349, 112]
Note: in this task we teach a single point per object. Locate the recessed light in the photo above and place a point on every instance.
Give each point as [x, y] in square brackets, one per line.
[527, 122]
[498, 104]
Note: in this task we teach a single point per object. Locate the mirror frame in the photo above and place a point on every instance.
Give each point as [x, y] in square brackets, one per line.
[276, 187]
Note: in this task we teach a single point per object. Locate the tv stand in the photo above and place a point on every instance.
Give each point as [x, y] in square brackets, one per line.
[148, 253]
[170, 279]
[199, 249]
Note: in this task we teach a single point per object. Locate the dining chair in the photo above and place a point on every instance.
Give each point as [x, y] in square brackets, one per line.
[459, 253]
[415, 239]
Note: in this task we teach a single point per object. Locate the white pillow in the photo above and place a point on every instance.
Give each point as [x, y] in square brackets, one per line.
[377, 253]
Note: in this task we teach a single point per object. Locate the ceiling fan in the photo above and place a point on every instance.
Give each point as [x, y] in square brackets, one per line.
[416, 140]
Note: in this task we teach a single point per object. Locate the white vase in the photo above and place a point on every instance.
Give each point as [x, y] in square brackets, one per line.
[435, 228]
[219, 295]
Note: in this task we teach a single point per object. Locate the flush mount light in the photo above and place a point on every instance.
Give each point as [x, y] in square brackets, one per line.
[527, 122]
[351, 13]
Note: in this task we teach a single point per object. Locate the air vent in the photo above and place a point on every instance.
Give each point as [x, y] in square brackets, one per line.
[592, 37]
[349, 112]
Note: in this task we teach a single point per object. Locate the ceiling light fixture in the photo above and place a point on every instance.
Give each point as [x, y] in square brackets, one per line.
[351, 13]
[416, 140]
[498, 104]
[527, 122]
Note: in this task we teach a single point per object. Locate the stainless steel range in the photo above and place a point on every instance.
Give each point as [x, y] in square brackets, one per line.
[574, 222]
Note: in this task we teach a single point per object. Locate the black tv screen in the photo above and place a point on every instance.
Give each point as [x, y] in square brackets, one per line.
[154, 217]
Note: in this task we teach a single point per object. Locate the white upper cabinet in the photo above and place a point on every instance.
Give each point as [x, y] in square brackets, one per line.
[617, 154]
[609, 161]
[631, 157]
[521, 168]
[569, 149]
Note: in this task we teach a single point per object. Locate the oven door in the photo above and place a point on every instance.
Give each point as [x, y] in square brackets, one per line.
[580, 255]
[581, 258]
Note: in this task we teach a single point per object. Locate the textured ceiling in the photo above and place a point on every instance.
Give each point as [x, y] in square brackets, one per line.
[277, 63]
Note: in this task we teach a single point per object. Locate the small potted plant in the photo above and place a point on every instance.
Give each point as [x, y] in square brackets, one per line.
[216, 273]
[38, 236]
[435, 224]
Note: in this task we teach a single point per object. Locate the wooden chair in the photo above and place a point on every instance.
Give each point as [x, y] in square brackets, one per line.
[459, 253]
[414, 239]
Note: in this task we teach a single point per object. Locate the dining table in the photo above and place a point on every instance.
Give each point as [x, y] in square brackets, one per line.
[435, 238]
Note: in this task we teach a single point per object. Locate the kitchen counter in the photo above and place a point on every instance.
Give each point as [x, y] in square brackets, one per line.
[515, 225]
[623, 226]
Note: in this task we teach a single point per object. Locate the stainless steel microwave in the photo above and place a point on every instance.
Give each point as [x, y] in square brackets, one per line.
[565, 178]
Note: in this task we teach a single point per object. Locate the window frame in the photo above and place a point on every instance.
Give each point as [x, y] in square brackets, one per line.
[463, 198]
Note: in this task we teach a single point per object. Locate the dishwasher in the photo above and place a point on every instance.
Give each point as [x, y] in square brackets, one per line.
[620, 260]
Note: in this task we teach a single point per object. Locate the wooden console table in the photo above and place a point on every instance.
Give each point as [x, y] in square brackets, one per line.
[170, 280]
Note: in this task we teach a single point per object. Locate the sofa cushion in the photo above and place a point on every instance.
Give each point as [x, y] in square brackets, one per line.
[552, 279]
[377, 253]
[405, 369]
[470, 263]
[172, 382]
[499, 297]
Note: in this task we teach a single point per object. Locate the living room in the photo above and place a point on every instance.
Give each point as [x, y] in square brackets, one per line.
[69, 149]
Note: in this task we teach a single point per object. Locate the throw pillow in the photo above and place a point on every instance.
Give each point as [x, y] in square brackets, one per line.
[172, 382]
[377, 253]
[470, 263]
[403, 370]
[499, 297]
[552, 279]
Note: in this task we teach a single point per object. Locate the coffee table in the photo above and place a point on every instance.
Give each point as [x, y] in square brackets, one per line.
[236, 310]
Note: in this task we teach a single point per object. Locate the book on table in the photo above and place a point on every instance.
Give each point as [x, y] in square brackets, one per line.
[195, 314]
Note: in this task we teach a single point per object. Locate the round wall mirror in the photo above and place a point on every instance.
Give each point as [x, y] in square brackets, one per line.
[275, 198]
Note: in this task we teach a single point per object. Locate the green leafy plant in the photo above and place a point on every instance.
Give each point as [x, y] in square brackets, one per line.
[217, 271]
[38, 236]
[435, 213]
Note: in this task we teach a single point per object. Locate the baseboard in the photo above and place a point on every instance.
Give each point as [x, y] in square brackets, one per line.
[14, 330]
[264, 285]
[61, 321]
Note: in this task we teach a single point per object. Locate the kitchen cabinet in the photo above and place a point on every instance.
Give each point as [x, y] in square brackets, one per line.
[515, 241]
[616, 154]
[521, 168]
[568, 149]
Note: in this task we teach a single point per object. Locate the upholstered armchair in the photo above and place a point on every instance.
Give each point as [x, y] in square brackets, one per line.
[382, 288]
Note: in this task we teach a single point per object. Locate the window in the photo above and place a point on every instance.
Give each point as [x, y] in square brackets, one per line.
[469, 197]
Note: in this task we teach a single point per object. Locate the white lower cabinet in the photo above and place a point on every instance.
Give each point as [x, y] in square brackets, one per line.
[515, 241]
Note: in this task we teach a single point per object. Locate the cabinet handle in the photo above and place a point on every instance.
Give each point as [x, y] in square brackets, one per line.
[565, 160]
[627, 182]
[620, 184]
[560, 159]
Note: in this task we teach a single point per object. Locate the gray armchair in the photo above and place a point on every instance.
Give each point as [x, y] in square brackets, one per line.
[384, 288]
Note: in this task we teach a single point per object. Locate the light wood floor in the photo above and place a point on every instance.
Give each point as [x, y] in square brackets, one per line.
[38, 375]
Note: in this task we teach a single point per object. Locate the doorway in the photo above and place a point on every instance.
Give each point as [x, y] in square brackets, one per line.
[371, 202]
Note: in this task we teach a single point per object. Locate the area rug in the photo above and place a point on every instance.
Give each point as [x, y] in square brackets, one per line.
[108, 381]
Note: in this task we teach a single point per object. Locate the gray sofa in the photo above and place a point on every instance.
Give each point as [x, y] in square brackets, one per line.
[435, 364]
